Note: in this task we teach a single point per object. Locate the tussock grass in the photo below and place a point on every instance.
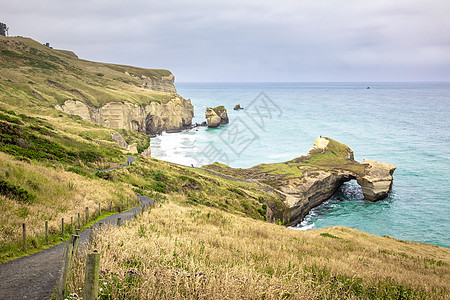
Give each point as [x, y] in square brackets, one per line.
[183, 252]
[58, 194]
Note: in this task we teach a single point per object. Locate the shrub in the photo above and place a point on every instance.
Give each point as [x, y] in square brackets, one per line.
[17, 193]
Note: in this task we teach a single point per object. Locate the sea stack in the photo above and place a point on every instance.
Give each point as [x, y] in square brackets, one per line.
[216, 116]
[377, 180]
[238, 107]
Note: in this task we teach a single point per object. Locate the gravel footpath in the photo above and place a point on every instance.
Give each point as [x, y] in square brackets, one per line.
[36, 276]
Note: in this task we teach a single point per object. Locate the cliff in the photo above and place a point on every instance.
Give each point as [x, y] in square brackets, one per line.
[116, 96]
[306, 182]
[153, 118]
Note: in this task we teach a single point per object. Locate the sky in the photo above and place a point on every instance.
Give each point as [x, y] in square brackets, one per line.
[249, 41]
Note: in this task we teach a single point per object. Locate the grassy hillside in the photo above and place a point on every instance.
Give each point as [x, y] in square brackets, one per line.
[209, 237]
[47, 77]
[180, 251]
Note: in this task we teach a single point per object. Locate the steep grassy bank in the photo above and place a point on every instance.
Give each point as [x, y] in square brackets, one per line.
[47, 77]
[180, 251]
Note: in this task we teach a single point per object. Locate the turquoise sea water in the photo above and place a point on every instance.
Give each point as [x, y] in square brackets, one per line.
[406, 124]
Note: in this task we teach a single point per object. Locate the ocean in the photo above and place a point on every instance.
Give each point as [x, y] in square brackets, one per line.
[406, 124]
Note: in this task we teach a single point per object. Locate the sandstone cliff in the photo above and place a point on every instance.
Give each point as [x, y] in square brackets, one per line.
[161, 84]
[153, 118]
[216, 116]
[306, 182]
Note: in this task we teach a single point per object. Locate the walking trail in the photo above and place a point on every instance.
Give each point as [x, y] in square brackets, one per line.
[36, 276]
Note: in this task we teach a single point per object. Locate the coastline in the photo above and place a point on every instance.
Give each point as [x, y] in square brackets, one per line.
[363, 120]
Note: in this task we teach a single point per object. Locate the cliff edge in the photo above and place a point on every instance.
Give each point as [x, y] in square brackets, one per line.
[307, 181]
[116, 96]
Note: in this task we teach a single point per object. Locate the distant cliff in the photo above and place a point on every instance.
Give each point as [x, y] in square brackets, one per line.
[153, 118]
[116, 96]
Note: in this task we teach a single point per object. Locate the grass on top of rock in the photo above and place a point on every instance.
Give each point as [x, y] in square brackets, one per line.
[219, 109]
[335, 157]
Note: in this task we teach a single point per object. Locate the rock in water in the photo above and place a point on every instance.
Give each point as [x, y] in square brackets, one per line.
[377, 180]
[238, 107]
[216, 116]
[212, 119]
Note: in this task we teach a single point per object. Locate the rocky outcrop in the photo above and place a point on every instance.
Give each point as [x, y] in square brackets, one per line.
[238, 107]
[119, 140]
[307, 181]
[315, 186]
[216, 116]
[212, 119]
[377, 180]
[161, 84]
[152, 119]
[147, 151]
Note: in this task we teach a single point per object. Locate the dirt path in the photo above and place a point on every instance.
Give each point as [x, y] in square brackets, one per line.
[130, 160]
[35, 276]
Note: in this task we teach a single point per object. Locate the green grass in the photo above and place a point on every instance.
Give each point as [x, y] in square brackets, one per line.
[35, 139]
[48, 77]
[334, 158]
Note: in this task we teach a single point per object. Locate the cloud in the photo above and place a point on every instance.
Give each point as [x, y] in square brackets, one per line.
[328, 40]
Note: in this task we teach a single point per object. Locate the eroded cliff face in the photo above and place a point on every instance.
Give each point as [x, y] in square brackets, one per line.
[161, 84]
[307, 181]
[153, 118]
[315, 186]
[311, 191]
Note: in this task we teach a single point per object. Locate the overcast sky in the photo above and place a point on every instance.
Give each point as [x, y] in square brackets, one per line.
[239, 40]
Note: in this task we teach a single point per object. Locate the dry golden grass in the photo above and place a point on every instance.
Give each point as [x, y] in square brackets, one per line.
[182, 252]
[60, 194]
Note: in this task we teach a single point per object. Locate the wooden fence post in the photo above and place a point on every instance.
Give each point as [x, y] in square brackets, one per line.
[76, 242]
[87, 215]
[90, 291]
[62, 226]
[119, 221]
[79, 222]
[111, 207]
[24, 237]
[71, 225]
[68, 251]
[120, 209]
[91, 235]
[99, 209]
[46, 232]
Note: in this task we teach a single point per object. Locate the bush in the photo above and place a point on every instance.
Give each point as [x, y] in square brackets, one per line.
[17, 193]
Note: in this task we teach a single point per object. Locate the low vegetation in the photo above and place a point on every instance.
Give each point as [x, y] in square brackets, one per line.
[180, 251]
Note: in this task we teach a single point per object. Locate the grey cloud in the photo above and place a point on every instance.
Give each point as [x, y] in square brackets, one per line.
[249, 40]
